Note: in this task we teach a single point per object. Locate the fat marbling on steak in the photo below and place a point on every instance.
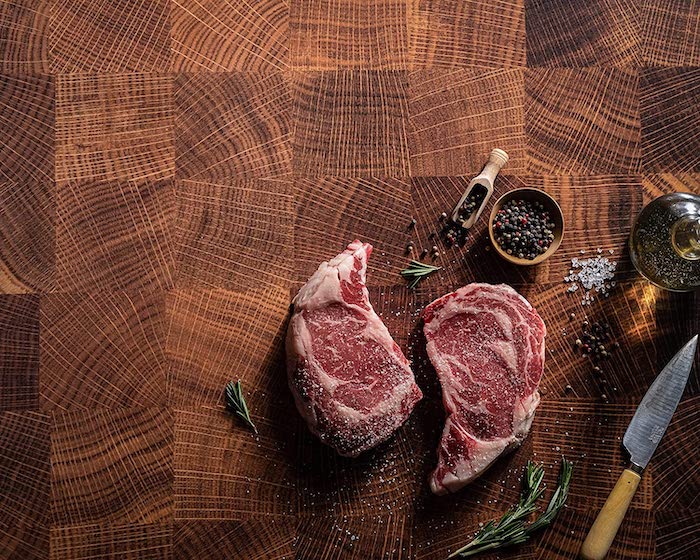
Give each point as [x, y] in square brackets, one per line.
[486, 343]
[350, 380]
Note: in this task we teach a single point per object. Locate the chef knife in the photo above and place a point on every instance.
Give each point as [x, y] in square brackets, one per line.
[641, 439]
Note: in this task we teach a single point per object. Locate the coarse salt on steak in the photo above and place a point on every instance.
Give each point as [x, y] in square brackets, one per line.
[350, 380]
[486, 343]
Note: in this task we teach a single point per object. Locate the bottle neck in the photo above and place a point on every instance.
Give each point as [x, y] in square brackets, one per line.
[685, 235]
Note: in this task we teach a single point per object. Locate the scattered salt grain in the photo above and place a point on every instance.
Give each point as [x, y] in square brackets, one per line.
[594, 276]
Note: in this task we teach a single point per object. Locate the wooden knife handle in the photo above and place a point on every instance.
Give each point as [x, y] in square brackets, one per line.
[605, 527]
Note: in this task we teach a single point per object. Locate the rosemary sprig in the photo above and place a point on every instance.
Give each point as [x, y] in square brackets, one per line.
[511, 528]
[416, 271]
[235, 403]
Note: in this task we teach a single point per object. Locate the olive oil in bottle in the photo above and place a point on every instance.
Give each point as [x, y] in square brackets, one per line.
[665, 242]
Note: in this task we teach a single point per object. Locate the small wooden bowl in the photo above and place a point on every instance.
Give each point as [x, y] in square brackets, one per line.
[549, 204]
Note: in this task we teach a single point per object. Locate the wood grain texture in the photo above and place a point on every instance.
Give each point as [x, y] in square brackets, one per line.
[24, 37]
[25, 483]
[456, 117]
[590, 129]
[171, 171]
[19, 352]
[208, 342]
[671, 31]
[567, 33]
[111, 467]
[126, 542]
[109, 36]
[114, 235]
[670, 130]
[331, 34]
[27, 128]
[665, 183]
[27, 240]
[350, 123]
[254, 539]
[102, 350]
[242, 230]
[114, 127]
[326, 538]
[224, 471]
[342, 209]
[232, 125]
[453, 33]
[213, 36]
[677, 534]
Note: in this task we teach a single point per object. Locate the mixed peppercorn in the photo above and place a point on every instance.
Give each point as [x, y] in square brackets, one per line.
[523, 228]
[453, 231]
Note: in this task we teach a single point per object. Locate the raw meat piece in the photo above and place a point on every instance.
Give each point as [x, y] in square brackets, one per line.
[487, 345]
[350, 380]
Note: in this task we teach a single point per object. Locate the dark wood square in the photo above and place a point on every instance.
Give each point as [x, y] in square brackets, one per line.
[136, 541]
[112, 467]
[665, 183]
[462, 33]
[350, 123]
[671, 31]
[627, 374]
[25, 483]
[267, 538]
[234, 125]
[456, 117]
[386, 537]
[114, 127]
[115, 236]
[27, 240]
[19, 352]
[109, 36]
[216, 336]
[224, 471]
[567, 33]
[343, 210]
[676, 484]
[223, 36]
[670, 130]
[590, 129]
[677, 534]
[102, 350]
[24, 37]
[371, 35]
[234, 234]
[27, 128]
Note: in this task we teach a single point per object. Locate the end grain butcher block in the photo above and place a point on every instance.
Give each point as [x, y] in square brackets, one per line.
[173, 171]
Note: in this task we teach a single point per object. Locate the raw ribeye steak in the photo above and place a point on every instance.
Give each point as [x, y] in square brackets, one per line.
[350, 380]
[487, 345]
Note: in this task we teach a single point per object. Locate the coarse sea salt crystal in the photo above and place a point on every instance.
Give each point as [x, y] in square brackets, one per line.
[594, 275]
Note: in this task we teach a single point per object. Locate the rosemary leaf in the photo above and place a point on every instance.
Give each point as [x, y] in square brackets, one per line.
[417, 271]
[511, 528]
[235, 403]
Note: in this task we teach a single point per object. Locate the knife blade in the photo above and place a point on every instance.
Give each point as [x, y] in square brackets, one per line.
[641, 439]
[654, 413]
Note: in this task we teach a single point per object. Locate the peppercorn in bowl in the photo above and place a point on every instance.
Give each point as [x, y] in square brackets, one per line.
[526, 226]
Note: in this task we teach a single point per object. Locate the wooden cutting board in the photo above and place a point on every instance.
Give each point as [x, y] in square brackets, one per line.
[172, 171]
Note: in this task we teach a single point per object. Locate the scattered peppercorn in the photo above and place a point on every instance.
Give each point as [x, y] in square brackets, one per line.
[413, 223]
[443, 216]
[523, 228]
[423, 253]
